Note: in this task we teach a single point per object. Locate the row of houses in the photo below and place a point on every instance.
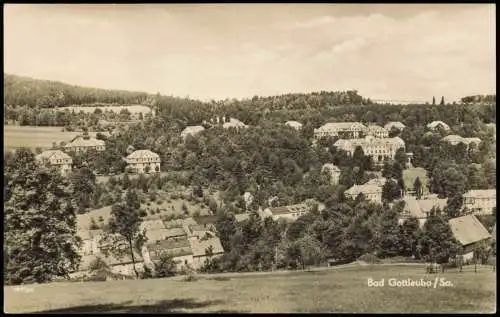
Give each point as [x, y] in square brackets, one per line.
[355, 129]
[477, 201]
[189, 241]
[232, 123]
[140, 161]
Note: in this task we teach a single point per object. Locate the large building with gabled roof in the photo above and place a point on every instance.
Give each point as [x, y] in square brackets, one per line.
[143, 161]
[56, 158]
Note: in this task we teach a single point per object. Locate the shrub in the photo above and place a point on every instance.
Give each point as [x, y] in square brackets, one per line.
[93, 224]
[166, 266]
[369, 258]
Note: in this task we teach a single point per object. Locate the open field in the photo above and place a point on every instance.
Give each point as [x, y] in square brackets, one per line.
[132, 109]
[409, 176]
[33, 137]
[341, 290]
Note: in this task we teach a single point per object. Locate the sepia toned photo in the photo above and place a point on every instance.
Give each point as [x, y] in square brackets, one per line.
[249, 158]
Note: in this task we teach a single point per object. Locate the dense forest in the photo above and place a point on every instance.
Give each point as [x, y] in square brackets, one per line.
[25, 91]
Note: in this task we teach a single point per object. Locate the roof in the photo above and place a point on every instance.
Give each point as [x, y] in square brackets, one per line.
[340, 126]
[154, 235]
[174, 247]
[419, 207]
[481, 193]
[175, 223]
[241, 217]
[294, 124]
[365, 189]
[379, 181]
[453, 138]
[375, 127]
[152, 225]
[199, 246]
[468, 229]
[233, 123]
[434, 124]
[141, 154]
[368, 141]
[331, 167]
[79, 141]
[126, 259]
[208, 219]
[53, 155]
[303, 207]
[396, 124]
[193, 129]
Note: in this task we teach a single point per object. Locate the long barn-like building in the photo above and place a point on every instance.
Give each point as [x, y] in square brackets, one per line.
[379, 149]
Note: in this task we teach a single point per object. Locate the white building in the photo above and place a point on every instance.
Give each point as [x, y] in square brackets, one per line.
[394, 124]
[371, 192]
[434, 125]
[481, 201]
[420, 208]
[377, 131]
[234, 123]
[191, 130]
[378, 149]
[143, 161]
[334, 172]
[82, 144]
[294, 124]
[341, 129]
[56, 158]
[291, 212]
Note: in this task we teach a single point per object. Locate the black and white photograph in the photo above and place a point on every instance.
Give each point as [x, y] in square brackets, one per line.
[249, 158]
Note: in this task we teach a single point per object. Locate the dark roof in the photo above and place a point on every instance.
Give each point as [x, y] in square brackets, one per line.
[201, 220]
[173, 246]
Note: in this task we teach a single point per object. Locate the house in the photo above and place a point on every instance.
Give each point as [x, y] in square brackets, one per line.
[82, 144]
[242, 217]
[480, 201]
[340, 129]
[200, 249]
[57, 159]
[469, 232]
[377, 131]
[291, 212]
[420, 208]
[334, 172]
[178, 248]
[454, 139]
[370, 192]
[379, 149]
[143, 161]
[118, 265]
[434, 125]
[294, 124]
[234, 123]
[394, 124]
[191, 130]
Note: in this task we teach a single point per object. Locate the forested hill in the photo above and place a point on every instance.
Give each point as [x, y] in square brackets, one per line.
[20, 91]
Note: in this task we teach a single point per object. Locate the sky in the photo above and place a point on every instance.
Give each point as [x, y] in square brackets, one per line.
[384, 51]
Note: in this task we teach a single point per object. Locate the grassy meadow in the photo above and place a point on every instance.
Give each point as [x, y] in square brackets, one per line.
[410, 174]
[33, 137]
[332, 290]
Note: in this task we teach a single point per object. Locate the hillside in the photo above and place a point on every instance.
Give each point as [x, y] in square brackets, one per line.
[20, 90]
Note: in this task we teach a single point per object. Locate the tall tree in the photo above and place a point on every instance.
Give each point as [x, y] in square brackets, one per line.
[442, 101]
[123, 236]
[40, 238]
[388, 241]
[437, 240]
[454, 206]
[433, 100]
[84, 184]
[417, 187]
